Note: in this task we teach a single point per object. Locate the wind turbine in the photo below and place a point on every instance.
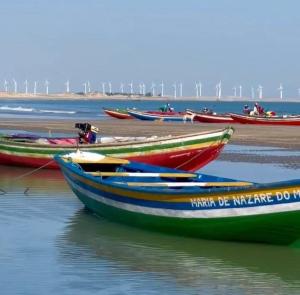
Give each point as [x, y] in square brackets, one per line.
[241, 91]
[219, 90]
[260, 93]
[5, 86]
[197, 89]
[180, 89]
[122, 87]
[140, 89]
[15, 85]
[35, 87]
[175, 90]
[234, 91]
[131, 87]
[153, 88]
[47, 86]
[26, 86]
[144, 89]
[67, 86]
[281, 90]
[89, 86]
[85, 86]
[200, 88]
[110, 88]
[162, 88]
[252, 93]
[103, 88]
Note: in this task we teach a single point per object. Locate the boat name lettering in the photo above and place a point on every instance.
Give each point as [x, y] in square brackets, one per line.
[249, 199]
[203, 202]
[296, 193]
[245, 199]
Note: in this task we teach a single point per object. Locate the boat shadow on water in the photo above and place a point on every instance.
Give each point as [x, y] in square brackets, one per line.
[190, 262]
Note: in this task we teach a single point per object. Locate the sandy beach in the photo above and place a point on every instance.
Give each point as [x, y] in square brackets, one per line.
[275, 136]
[135, 97]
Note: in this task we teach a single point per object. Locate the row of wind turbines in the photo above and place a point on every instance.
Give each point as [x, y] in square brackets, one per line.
[140, 89]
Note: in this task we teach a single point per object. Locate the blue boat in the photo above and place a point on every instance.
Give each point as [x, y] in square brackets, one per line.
[190, 204]
[148, 116]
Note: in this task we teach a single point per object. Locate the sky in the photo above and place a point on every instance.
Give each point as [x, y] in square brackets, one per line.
[246, 43]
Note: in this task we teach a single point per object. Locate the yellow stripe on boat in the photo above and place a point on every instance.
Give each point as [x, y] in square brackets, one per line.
[142, 174]
[186, 184]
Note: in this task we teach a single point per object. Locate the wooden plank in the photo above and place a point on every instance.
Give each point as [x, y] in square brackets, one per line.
[186, 184]
[144, 174]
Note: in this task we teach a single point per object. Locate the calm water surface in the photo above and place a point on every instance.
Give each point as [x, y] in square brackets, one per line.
[51, 245]
[92, 110]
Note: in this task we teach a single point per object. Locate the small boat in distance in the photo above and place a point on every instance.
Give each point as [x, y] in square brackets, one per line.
[263, 120]
[211, 118]
[160, 116]
[190, 204]
[188, 152]
[118, 113]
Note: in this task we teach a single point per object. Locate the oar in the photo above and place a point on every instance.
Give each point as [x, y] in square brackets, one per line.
[143, 174]
[186, 184]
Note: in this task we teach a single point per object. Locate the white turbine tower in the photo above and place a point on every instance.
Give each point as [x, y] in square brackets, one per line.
[219, 90]
[5, 86]
[234, 91]
[175, 90]
[15, 86]
[67, 86]
[180, 89]
[144, 89]
[88, 86]
[162, 88]
[200, 88]
[47, 86]
[140, 88]
[35, 87]
[131, 87]
[26, 86]
[103, 88]
[260, 91]
[122, 87]
[241, 91]
[280, 91]
[85, 87]
[153, 89]
[109, 88]
[197, 89]
[252, 93]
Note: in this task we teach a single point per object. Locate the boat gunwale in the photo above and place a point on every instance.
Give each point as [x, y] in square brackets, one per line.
[228, 130]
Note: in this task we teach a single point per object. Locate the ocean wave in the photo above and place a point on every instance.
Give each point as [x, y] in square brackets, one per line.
[16, 109]
[57, 112]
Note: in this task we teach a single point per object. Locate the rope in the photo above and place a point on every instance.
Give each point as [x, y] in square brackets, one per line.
[33, 171]
[3, 192]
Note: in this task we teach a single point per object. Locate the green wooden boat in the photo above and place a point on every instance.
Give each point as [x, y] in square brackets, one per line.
[181, 203]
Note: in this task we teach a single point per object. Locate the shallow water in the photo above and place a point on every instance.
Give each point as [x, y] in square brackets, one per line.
[51, 245]
[86, 109]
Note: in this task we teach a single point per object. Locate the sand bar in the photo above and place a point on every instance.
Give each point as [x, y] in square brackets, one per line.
[276, 136]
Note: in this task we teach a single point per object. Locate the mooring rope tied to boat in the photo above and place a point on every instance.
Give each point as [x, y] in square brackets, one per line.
[3, 192]
[33, 171]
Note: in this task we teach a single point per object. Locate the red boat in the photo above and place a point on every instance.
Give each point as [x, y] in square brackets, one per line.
[211, 118]
[187, 152]
[275, 120]
[118, 113]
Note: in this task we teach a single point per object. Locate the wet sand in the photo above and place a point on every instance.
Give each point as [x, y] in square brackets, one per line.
[275, 136]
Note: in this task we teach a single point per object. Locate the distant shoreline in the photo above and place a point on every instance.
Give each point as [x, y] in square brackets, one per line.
[98, 96]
